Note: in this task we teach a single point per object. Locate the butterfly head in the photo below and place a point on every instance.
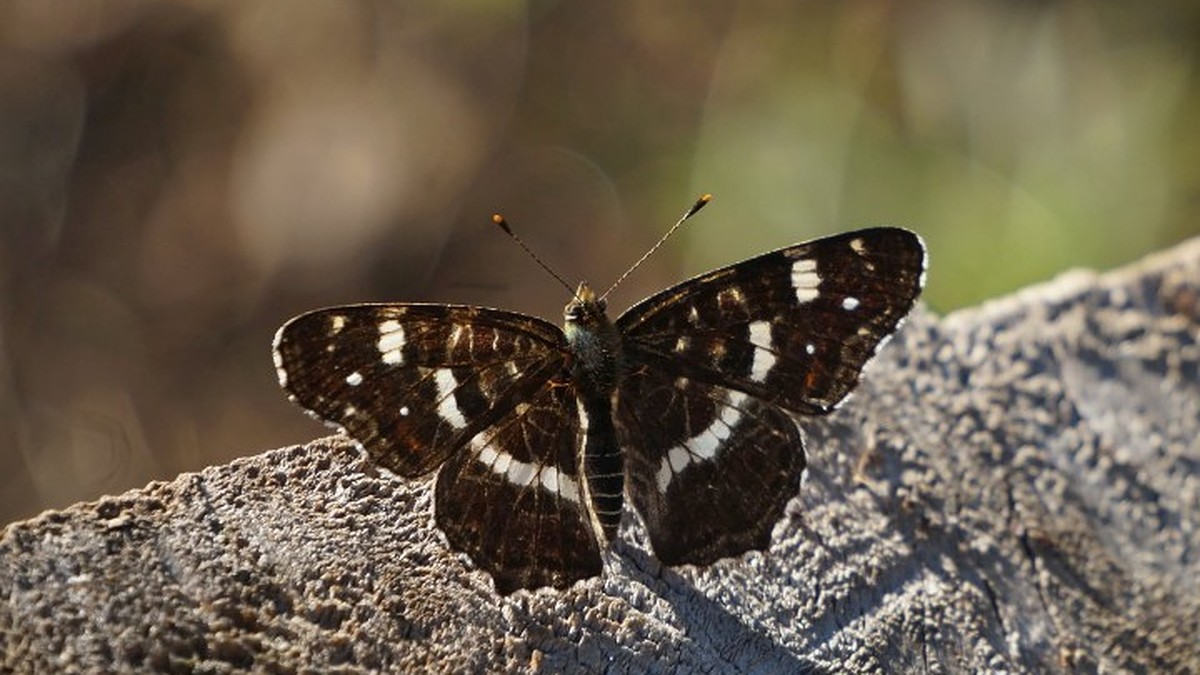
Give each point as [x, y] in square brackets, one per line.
[585, 308]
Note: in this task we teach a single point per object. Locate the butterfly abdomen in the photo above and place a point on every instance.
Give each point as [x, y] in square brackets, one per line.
[603, 466]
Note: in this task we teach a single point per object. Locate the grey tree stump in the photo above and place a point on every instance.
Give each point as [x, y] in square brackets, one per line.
[1013, 488]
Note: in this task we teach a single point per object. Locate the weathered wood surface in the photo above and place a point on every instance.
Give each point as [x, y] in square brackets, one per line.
[1014, 488]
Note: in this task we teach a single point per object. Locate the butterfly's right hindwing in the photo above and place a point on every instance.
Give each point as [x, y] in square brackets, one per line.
[413, 382]
[709, 469]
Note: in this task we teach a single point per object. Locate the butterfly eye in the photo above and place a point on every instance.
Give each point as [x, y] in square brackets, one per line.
[602, 305]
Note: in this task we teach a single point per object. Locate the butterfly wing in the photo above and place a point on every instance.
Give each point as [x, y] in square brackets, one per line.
[713, 480]
[716, 363]
[793, 327]
[470, 390]
[413, 383]
[514, 503]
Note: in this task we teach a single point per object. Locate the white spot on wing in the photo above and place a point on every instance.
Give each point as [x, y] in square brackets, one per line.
[521, 473]
[336, 323]
[391, 342]
[730, 295]
[764, 357]
[567, 487]
[487, 455]
[805, 280]
[722, 432]
[850, 303]
[404, 411]
[447, 406]
[705, 445]
[503, 459]
[858, 246]
[354, 379]
[678, 457]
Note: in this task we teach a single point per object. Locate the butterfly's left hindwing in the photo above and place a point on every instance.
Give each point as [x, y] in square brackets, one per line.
[413, 383]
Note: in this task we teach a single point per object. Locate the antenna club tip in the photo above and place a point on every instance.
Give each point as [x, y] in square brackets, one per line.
[501, 222]
[700, 203]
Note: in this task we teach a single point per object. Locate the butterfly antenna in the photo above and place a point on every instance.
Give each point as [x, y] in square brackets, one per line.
[503, 224]
[700, 203]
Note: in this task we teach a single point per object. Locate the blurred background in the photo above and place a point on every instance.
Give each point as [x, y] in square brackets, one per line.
[177, 178]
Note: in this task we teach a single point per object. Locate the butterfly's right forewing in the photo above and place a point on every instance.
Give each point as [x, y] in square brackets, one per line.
[793, 327]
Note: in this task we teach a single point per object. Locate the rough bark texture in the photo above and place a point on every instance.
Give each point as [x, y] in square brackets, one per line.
[1014, 487]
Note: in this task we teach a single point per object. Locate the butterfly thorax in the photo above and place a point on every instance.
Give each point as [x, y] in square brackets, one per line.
[595, 344]
[596, 366]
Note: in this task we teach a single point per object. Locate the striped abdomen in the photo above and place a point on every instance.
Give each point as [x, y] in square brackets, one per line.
[603, 468]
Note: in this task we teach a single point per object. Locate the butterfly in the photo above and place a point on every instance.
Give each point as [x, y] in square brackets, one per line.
[683, 406]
